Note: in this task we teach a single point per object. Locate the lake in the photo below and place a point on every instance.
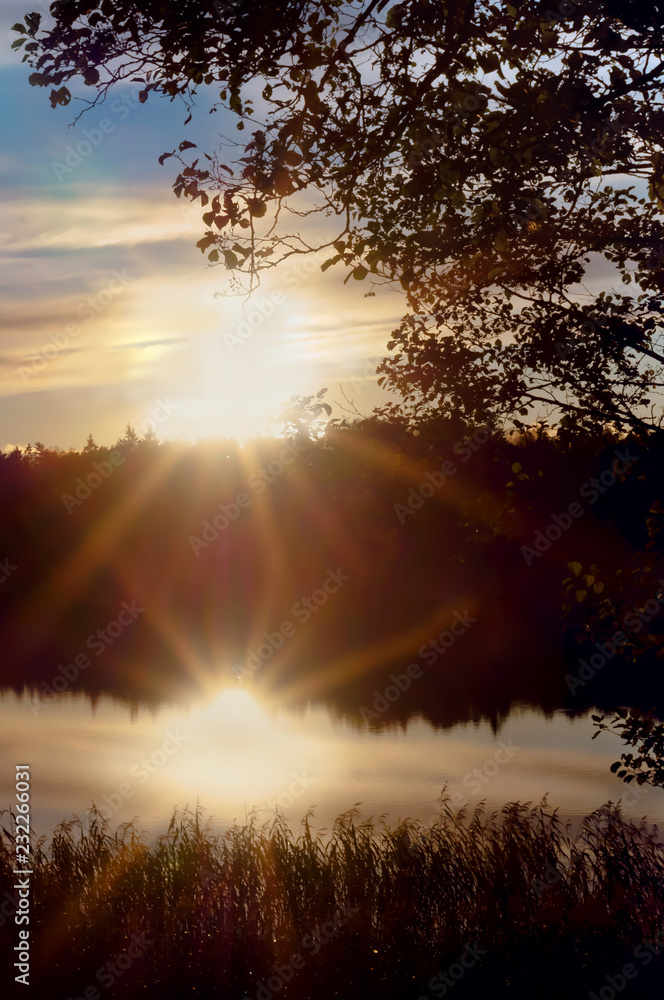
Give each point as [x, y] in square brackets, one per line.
[236, 750]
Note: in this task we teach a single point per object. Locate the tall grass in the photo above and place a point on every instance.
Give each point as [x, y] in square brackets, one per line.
[554, 910]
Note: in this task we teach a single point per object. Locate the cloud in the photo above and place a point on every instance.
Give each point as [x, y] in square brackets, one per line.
[93, 218]
[162, 334]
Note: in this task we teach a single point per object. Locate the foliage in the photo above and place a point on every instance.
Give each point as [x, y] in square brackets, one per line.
[640, 730]
[304, 418]
[489, 158]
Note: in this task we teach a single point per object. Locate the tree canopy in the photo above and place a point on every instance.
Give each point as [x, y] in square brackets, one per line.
[500, 162]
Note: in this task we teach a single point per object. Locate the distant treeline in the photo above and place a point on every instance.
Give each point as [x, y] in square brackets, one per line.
[320, 566]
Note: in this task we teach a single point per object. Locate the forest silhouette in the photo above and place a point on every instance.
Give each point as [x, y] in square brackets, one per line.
[219, 548]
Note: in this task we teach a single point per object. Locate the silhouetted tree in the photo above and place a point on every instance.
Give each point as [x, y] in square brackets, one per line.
[646, 734]
[304, 418]
[469, 150]
[130, 439]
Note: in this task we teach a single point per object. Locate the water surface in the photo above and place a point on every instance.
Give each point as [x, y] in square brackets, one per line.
[235, 753]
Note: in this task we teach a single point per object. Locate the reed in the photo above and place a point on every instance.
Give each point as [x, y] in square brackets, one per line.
[372, 910]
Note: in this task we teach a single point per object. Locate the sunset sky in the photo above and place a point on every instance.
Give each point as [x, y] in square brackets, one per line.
[106, 246]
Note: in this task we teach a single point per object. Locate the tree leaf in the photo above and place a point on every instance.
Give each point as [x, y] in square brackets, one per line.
[257, 208]
[207, 241]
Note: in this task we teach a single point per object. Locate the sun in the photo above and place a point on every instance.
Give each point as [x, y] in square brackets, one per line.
[234, 705]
